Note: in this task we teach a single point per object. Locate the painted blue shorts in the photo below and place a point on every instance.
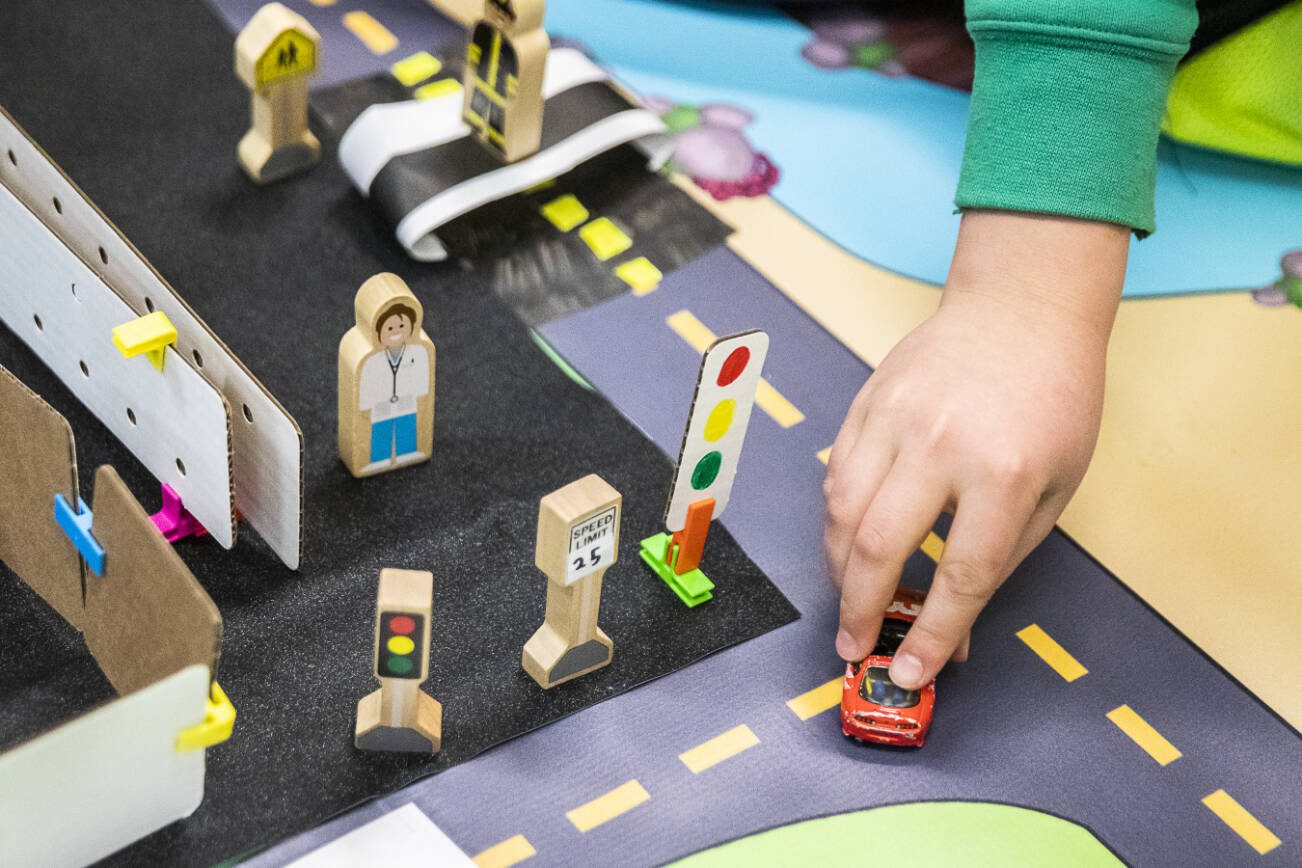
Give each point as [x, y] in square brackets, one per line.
[396, 436]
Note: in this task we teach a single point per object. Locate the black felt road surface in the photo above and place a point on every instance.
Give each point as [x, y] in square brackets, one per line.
[136, 99]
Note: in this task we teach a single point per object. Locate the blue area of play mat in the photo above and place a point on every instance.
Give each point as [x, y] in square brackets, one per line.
[872, 162]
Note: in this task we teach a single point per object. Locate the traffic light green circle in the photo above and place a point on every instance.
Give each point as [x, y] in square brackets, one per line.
[399, 665]
[707, 470]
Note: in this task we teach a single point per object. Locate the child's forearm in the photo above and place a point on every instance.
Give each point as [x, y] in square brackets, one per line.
[1044, 266]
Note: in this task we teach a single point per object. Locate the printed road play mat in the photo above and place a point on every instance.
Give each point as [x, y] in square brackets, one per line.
[1115, 709]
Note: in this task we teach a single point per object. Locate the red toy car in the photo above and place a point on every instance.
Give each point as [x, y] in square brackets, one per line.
[875, 709]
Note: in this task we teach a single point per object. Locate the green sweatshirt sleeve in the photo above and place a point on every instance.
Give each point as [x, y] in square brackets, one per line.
[1067, 104]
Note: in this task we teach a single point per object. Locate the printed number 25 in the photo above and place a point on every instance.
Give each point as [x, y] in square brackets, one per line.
[594, 557]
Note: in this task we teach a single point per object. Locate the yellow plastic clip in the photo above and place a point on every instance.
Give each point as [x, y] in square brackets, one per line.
[150, 334]
[218, 721]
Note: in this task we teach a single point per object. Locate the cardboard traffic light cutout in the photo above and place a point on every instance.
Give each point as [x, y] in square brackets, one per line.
[707, 461]
[275, 55]
[400, 716]
[578, 540]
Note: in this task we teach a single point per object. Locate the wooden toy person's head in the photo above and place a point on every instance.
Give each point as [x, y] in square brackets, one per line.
[397, 324]
[387, 311]
[515, 16]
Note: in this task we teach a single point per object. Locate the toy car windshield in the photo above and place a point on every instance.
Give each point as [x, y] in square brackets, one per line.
[878, 688]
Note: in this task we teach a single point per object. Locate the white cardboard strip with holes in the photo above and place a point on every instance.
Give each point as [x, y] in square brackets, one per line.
[173, 420]
[267, 465]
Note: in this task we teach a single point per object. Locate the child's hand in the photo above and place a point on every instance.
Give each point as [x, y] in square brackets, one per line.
[989, 410]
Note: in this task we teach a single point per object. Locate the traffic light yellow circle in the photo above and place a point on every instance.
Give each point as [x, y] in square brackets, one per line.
[401, 645]
[720, 419]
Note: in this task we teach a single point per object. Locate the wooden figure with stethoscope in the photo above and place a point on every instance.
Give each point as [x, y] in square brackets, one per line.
[386, 381]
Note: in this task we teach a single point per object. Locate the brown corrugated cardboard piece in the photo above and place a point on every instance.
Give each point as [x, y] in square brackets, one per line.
[37, 461]
[147, 616]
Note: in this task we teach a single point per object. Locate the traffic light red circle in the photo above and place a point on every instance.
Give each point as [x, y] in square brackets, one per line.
[734, 365]
[401, 624]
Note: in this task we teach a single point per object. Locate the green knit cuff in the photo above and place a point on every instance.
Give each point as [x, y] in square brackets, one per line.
[1065, 125]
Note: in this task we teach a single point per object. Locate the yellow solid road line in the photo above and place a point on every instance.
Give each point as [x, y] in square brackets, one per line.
[1142, 733]
[509, 852]
[699, 337]
[718, 749]
[818, 700]
[372, 33]
[1246, 826]
[623, 798]
[1052, 653]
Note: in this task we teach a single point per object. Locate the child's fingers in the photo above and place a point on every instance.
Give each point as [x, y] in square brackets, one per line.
[1039, 525]
[895, 524]
[848, 434]
[987, 528]
[849, 492]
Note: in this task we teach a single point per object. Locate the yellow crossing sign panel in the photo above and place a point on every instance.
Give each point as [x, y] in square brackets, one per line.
[291, 53]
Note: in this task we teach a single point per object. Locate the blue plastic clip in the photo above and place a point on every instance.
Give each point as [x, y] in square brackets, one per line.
[77, 526]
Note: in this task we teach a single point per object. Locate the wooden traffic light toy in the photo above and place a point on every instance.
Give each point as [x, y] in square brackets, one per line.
[505, 58]
[707, 461]
[275, 55]
[400, 716]
[578, 540]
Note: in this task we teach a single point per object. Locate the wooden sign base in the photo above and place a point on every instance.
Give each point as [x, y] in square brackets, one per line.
[264, 165]
[408, 723]
[550, 660]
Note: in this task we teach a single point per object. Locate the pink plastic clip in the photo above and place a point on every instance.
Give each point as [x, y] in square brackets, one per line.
[174, 521]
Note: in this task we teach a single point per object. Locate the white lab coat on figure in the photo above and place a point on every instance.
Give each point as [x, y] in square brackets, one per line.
[389, 391]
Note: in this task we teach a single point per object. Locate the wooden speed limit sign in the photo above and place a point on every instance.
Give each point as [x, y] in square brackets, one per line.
[578, 540]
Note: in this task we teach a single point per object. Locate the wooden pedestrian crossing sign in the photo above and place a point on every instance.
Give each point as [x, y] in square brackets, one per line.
[277, 44]
[275, 55]
[290, 53]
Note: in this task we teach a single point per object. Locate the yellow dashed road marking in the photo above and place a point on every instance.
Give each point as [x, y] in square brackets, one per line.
[640, 274]
[1051, 652]
[565, 212]
[818, 700]
[1142, 733]
[770, 400]
[825, 454]
[1246, 826]
[372, 33]
[411, 71]
[509, 852]
[623, 798]
[691, 329]
[436, 89]
[933, 546]
[604, 238]
[718, 749]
